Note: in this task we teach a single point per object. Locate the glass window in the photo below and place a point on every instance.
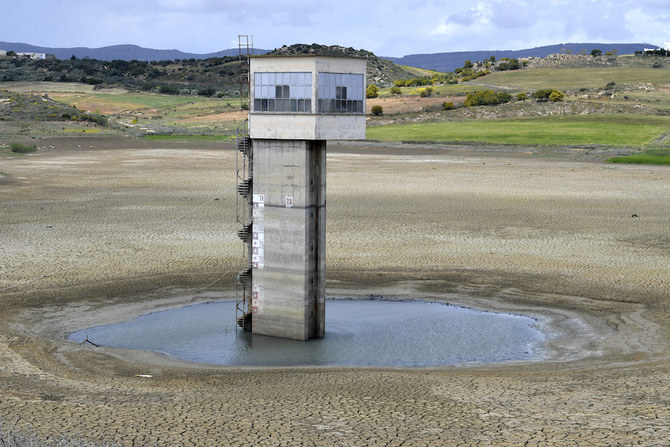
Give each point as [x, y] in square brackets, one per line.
[283, 92]
[340, 93]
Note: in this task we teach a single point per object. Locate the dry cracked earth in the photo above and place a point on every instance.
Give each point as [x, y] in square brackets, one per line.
[99, 231]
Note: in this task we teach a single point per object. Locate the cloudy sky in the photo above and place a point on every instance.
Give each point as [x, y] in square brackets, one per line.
[386, 27]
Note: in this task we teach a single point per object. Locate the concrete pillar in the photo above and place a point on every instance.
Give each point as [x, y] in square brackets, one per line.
[289, 238]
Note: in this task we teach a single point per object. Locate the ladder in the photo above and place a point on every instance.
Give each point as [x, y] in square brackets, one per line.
[244, 217]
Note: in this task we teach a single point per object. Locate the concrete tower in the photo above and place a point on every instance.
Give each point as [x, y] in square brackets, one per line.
[297, 103]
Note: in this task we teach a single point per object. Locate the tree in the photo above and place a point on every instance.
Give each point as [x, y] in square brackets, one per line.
[596, 52]
[372, 91]
[510, 64]
[377, 110]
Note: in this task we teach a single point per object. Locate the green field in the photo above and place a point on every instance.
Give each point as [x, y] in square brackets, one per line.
[655, 156]
[607, 130]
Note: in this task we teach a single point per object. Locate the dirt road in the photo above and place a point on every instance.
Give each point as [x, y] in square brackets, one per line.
[91, 235]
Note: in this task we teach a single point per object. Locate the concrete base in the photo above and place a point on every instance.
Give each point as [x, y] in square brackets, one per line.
[289, 229]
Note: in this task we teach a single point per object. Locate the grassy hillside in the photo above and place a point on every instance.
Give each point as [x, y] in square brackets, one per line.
[451, 61]
[216, 76]
[588, 130]
[578, 78]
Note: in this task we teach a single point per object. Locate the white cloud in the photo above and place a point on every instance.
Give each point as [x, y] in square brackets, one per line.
[649, 28]
[390, 27]
[471, 19]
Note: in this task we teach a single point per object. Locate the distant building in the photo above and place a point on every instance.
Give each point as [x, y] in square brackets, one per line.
[35, 56]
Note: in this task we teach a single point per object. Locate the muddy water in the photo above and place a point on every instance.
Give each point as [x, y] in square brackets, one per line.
[358, 332]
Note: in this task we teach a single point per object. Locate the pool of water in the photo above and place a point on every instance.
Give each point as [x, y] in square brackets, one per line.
[358, 332]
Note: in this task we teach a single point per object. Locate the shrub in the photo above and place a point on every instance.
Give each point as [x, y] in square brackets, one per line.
[208, 91]
[610, 85]
[596, 52]
[22, 148]
[168, 90]
[521, 96]
[396, 90]
[545, 94]
[448, 105]
[503, 97]
[377, 110]
[486, 98]
[372, 91]
[510, 64]
[100, 120]
[425, 92]
[556, 96]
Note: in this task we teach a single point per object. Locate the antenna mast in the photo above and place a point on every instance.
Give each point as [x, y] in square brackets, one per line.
[245, 48]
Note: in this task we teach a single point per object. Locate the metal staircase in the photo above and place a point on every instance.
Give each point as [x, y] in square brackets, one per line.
[244, 216]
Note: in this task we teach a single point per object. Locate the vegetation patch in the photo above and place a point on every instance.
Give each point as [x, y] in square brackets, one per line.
[606, 130]
[653, 156]
[26, 107]
[487, 98]
[19, 148]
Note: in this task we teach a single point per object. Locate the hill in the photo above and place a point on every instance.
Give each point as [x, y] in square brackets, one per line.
[118, 52]
[188, 76]
[380, 71]
[450, 61]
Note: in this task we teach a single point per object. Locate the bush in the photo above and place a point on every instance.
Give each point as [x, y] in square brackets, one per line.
[396, 90]
[372, 91]
[208, 91]
[425, 92]
[486, 98]
[22, 148]
[510, 64]
[521, 96]
[610, 85]
[503, 97]
[168, 90]
[448, 105]
[556, 96]
[377, 110]
[549, 94]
